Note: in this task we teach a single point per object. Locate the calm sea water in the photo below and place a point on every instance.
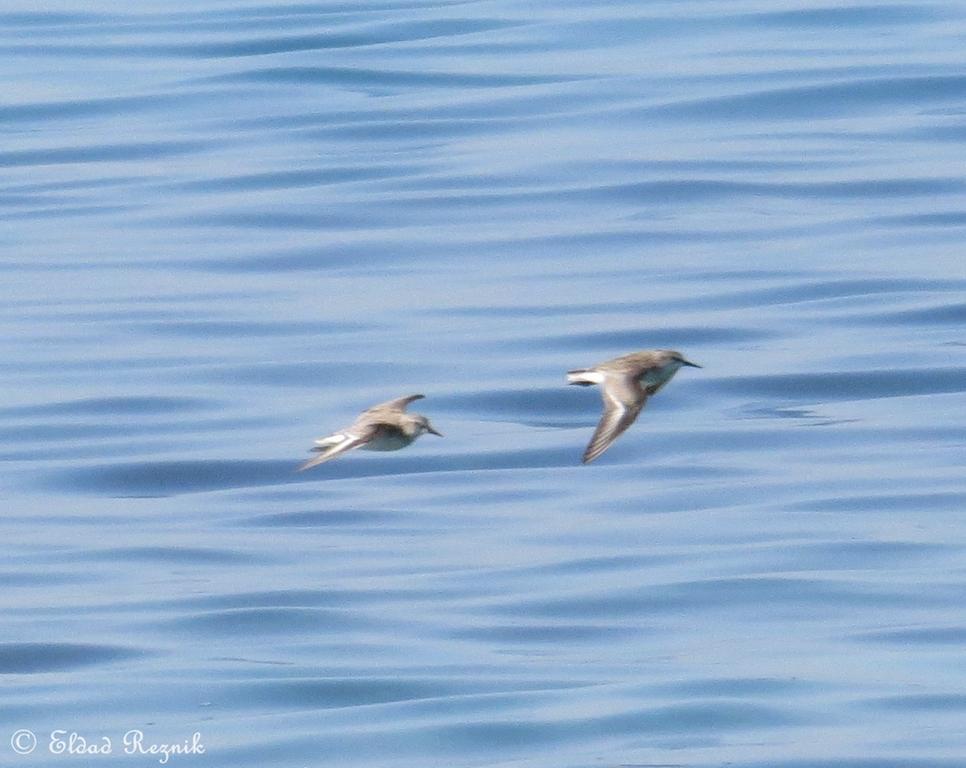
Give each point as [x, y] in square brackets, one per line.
[229, 226]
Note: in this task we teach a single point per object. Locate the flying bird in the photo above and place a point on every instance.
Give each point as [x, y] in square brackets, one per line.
[383, 427]
[626, 383]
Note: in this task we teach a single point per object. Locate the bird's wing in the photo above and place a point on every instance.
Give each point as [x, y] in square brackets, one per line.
[623, 400]
[399, 404]
[336, 444]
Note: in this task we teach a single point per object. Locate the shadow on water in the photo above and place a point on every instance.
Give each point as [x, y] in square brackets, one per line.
[797, 595]
[939, 314]
[925, 636]
[859, 16]
[270, 620]
[815, 101]
[324, 518]
[304, 177]
[942, 703]
[100, 153]
[693, 718]
[547, 634]
[936, 501]
[840, 385]
[352, 36]
[374, 78]
[33, 658]
[290, 598]
[168, 478]
[344, 692]
[166, 555]
[109, 406]
[113, 106]
[796, 292]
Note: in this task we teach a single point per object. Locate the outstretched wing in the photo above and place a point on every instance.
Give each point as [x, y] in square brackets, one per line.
[623, 400]
[399, 404]
[338, 443]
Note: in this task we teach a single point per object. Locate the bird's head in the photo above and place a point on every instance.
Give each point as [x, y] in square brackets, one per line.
[677, 359]
[423, 425]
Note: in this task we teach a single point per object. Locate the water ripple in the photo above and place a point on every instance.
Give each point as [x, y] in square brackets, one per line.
[34, 658]
[386, 78]
[164, 478]
[841, 385]
[100, 153]
[798, 594]
[827, 100]
[261, 621]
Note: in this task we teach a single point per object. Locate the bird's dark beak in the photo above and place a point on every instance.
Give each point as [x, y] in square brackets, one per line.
[689, 363]
[433, 431]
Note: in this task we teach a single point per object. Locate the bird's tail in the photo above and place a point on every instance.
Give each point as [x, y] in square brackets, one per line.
[584, 377]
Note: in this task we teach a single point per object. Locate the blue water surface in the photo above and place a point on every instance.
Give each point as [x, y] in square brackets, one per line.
[230, 225]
